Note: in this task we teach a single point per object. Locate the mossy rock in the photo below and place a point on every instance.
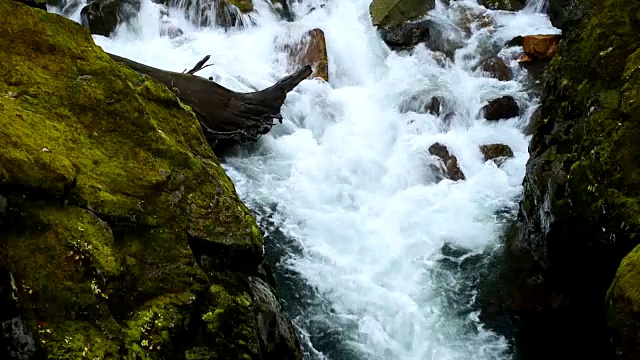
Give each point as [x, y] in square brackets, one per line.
[394, 12]
[117, 217]
[623, 307]
[580, 213]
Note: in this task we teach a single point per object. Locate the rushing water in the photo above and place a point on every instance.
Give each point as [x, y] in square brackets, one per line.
[375, 258]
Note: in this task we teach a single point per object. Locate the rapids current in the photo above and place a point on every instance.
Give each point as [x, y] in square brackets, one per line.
[375, 258]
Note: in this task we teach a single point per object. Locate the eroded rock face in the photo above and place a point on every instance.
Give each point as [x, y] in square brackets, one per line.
[450, 168]
[121, 233]
[578, 217]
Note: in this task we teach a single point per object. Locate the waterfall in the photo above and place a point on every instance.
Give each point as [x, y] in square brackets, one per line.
[376, 255]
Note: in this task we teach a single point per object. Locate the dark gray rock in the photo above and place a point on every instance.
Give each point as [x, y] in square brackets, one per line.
[277, 336]
[504, 107]
[102, 17]
[435, 36]
[405, 34]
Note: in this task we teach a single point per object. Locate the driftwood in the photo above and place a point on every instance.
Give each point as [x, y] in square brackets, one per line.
[227, 117]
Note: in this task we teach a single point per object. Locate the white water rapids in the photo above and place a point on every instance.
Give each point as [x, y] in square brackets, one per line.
[345, 182]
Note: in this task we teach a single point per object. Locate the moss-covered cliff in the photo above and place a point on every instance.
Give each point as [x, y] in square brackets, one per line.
[581, 208]
[120, 234]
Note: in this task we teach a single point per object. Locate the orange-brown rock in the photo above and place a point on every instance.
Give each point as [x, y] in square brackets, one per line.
[541, 46]
[310, 50]
[448, 167]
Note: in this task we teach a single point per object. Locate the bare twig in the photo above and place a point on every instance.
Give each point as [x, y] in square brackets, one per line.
[199, 65]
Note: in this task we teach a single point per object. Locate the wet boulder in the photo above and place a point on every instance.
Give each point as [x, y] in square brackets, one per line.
[448, 167]
[540, 47]
[504, 107]
[496, 68]
[102, 17]
[507, 5]
[168, 27]
[281, 7]
[405, 35]
[310, 50]
[442, 38]
[471, 18]
[393, 12]
[497, 152]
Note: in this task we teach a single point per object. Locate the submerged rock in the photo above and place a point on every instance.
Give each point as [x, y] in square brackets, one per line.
[281, 8]
[472, 18]
[504, 107]
[121, 233]
[496, 68]
[423, 104]
[449, 168]
[168, 27]
[434, 106]
[224, 13]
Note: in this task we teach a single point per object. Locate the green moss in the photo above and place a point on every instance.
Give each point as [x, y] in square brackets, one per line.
[58, 256]
[591, 92]
[150, 332]
[590, 134]
[228, 321]
[79, 340]
[106, 173]
[128, 145]
[623, 306]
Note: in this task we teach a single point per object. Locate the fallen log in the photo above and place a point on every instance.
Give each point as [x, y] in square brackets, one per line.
[227, 117]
